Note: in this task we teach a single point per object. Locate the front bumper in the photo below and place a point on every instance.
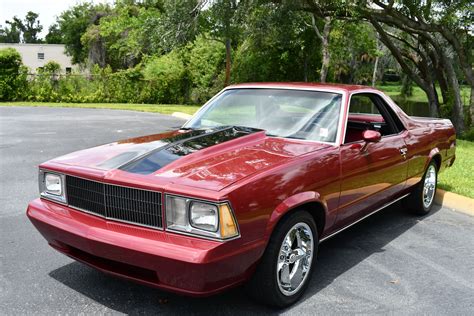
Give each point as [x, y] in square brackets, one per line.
[172, 262]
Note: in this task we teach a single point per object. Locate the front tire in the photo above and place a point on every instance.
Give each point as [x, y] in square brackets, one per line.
[286, 266]
[421, 199]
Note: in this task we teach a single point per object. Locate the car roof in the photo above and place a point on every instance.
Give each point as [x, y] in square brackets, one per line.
[303, 85]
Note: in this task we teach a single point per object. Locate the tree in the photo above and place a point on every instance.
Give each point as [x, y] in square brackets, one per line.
[324, 38]
[179, 24]
[427, 59]
[54, 35]
[222, 23]
[436, 29]
[31, 28]
[10, 34]
[276, 45]
[124, 33]
[354, 51]
[12, 75]
[73, 23]
[204, 66]
[217, 19]
[27, 30]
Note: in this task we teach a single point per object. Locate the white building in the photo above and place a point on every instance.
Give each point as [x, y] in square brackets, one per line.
[37, 55]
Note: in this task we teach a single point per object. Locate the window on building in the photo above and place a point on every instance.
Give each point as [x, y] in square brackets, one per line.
[40, 55]
[68, 70]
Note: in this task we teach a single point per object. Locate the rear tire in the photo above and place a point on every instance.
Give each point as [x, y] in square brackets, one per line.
[421, 199]
[286, 266]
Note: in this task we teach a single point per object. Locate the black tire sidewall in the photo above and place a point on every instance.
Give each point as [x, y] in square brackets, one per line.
[275, 244]
[422, 183]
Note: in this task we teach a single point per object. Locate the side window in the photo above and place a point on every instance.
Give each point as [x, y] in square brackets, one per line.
[362, 104]
[368, 111]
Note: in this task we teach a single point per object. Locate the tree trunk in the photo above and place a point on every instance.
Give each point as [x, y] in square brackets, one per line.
[433, 100]
[376, 65]
[374, 74]
[324, 37]
[471, 107]
[227, 62]
[326, 53]
[455, 99]
[407, 87]
[305, 70]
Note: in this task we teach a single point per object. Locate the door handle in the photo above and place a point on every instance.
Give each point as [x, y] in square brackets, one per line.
[403, 152]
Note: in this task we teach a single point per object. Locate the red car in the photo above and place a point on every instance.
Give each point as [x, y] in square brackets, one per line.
[244, 191]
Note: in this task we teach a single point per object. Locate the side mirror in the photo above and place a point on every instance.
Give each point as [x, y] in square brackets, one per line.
[371, 136]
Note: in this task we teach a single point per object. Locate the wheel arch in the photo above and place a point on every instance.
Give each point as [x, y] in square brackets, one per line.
[308, 201]
[437, 159]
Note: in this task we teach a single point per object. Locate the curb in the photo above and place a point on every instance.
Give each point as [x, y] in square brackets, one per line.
[456, 202]
[181, 115]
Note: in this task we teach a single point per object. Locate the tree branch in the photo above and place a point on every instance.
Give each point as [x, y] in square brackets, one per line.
[398, 56]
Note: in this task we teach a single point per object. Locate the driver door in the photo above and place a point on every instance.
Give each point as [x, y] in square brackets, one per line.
[371, 173]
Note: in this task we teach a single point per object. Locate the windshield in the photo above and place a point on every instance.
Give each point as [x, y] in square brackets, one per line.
[310, 115]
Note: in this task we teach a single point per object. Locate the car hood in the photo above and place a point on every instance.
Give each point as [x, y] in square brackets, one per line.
[210, 159]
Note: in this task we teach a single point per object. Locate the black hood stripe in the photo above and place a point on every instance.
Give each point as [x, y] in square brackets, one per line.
[183, 145]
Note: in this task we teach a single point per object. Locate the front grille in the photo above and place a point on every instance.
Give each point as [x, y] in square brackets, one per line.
[115, 202]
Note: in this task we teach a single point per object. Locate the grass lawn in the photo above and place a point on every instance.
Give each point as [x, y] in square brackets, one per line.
[460, 177]
[156, 108]
[393, 90]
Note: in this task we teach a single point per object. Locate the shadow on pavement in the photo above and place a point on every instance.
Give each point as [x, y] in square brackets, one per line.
[336, 256]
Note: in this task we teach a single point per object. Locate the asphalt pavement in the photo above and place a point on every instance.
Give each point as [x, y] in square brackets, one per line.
[392, 262]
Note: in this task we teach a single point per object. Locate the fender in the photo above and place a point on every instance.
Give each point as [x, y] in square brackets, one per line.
[291, 203]
[435, 151]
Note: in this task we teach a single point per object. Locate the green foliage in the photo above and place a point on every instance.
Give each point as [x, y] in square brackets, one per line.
[204, 65]
[74, 22]
[10, 34]
[12, 75]
[407, 86]
[28, 29]
[178, 26]
[458, 178]
[167, 75]
[160, 80]
[353, 52]
[51, 67]
[54, 36]
[278, 46]
[31, 28]
[125, 35]
[223, 20]
[103, 85]
[174, 51]
[468, 135]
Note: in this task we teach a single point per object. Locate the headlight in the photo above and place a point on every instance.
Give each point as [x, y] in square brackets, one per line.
[51, 186]
[203, 216]
[53, 183]
[194, 217]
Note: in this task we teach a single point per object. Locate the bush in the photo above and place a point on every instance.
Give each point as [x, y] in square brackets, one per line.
[194, 72]
[205, 62]
[468, 135]
[167, 78]
[12, 75]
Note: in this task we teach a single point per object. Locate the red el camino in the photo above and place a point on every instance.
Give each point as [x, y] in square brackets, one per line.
[244, 191]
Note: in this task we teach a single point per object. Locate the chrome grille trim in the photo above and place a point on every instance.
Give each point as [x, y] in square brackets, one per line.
[118, 203]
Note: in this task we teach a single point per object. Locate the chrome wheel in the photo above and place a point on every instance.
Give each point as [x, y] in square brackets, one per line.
[429, 186]
[295, 259]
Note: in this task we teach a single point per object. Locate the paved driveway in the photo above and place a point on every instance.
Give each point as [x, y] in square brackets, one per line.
[391, 262]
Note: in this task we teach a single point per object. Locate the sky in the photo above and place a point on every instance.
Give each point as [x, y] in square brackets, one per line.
[48, 10]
